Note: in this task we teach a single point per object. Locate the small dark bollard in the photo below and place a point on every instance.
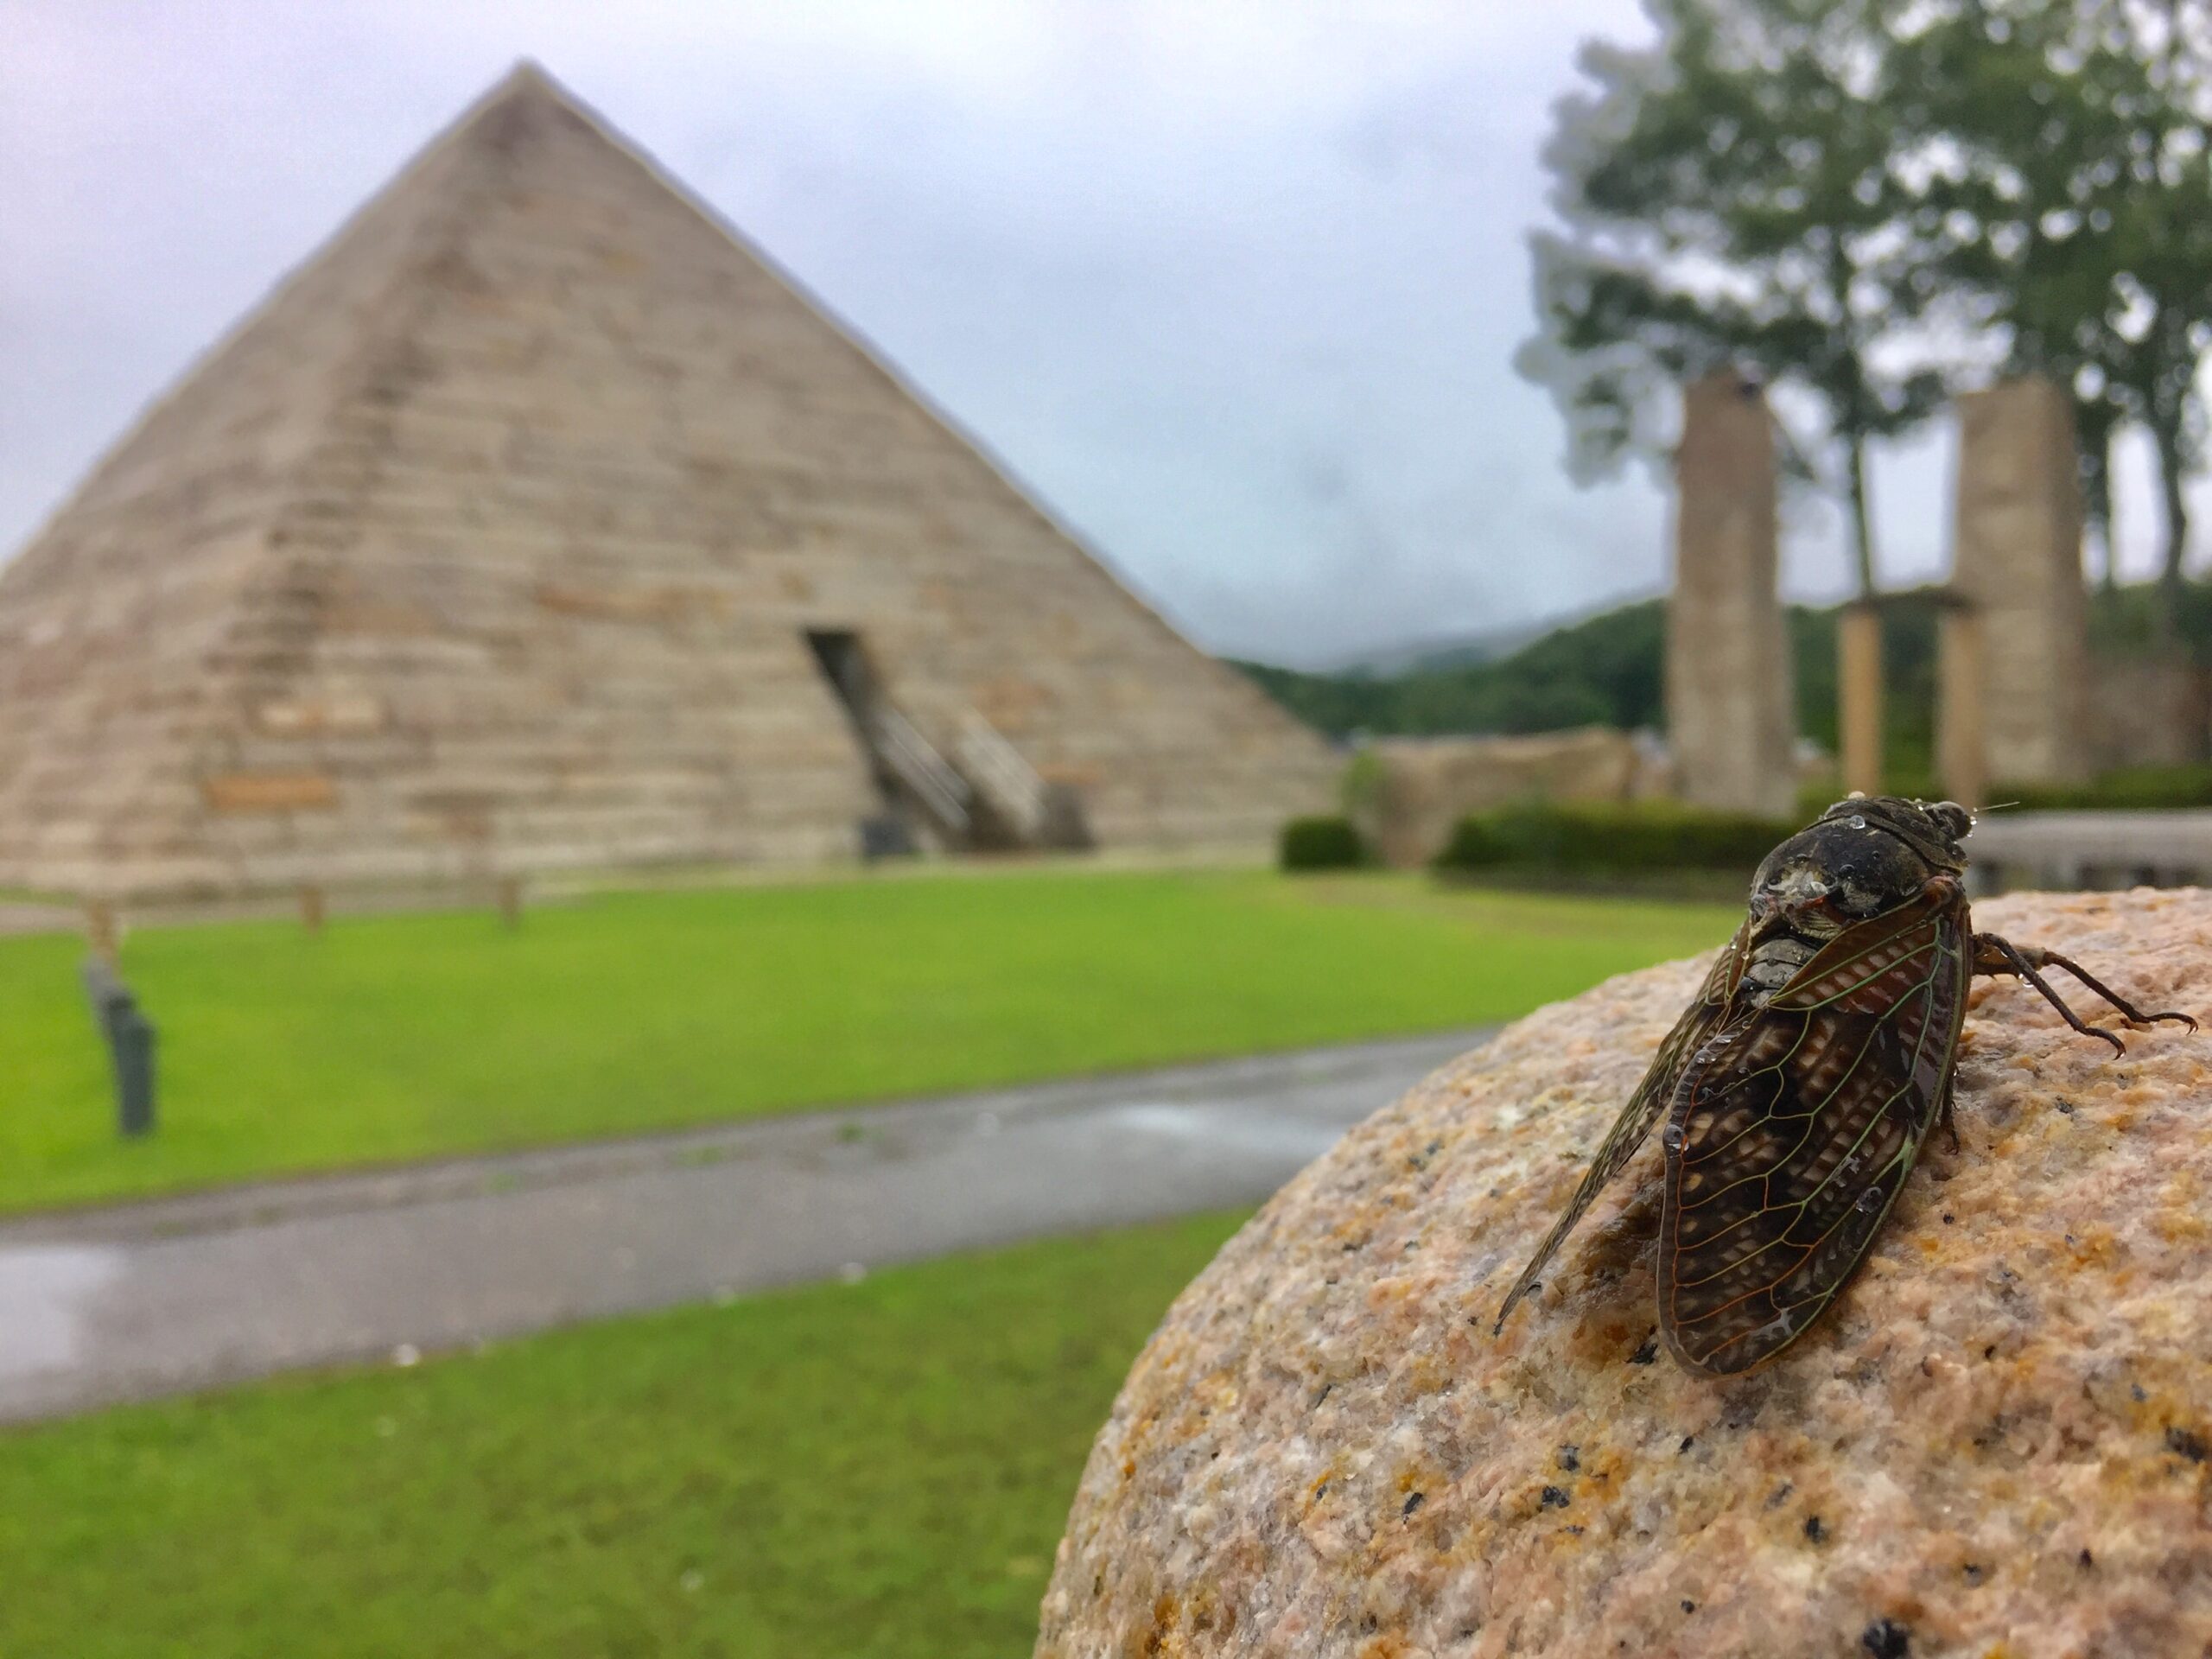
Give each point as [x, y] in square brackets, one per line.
[130, 1036]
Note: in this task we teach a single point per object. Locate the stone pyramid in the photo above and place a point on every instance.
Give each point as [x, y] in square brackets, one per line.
[536, 523]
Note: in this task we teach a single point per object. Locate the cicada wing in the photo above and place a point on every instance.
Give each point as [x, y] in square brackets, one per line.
[1698, 1021]
[1792, 1138]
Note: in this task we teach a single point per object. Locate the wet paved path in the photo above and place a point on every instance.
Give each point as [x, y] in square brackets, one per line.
[157, 1297]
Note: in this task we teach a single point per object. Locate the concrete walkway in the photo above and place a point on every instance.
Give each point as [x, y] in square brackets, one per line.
[155, 1298]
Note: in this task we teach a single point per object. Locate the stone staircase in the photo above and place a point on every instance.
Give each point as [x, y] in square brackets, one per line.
[984, 796]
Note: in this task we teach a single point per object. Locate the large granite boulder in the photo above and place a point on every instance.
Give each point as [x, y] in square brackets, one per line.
[1995, 1444]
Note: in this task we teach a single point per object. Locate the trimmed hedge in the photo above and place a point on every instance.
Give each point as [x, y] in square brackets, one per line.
[2125, 788]
[1321, 843]
[1574, 838]
[2130, 788]
[1815, 798]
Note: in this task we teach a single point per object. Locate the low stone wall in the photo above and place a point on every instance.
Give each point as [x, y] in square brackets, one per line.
[1421, 787]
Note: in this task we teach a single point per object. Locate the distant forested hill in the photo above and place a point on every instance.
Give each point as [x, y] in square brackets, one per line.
[1602, 671]
[1607, 670]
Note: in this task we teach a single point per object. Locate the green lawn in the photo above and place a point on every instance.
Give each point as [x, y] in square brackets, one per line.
[399, 1036]
[839, 1472]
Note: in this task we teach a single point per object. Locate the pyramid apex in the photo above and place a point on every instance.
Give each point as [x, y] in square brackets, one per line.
[527, 86]
[527, 77]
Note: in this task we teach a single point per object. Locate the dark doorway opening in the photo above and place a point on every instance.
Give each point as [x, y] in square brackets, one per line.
[837, 653]
[845, 665]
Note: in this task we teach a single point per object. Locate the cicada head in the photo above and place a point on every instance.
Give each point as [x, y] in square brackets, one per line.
[1862, 856]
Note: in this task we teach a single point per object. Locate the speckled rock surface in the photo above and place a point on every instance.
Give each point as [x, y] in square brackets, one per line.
[1994, 1444]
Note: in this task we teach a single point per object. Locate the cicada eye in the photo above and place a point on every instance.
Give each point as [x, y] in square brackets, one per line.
[1954, 820]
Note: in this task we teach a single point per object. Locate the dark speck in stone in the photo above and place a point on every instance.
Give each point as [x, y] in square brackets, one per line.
[1648, 1353]
[2067, 1106]
[1973, 1571]
[1886, 1639]
[1781, 1495]
[1688, 1606]
[1414, 1502]
[1553, 1498]
[1688, 1440]
[1570, 1458]
[2189, 1445]
[1814, 1530]
[2085, 1559]
[1948, 1217]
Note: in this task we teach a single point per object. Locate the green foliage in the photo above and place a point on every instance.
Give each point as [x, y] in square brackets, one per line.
[1613, 663]
[2072, 206]
[1727, 197]
[2129, 788]
[1815, 798]
[1479, 841]
[1609, 670]
[1909, 627]
[1579, 838]
[395, 1037]
[877, 1470]
[1605, 671]
[1320, 844]
[2144, 618]
[1361, 787]
[1866, 200]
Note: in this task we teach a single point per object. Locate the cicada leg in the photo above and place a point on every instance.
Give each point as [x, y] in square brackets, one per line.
[1993, 955]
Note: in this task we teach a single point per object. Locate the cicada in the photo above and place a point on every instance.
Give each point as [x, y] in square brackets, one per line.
[1800, 1086]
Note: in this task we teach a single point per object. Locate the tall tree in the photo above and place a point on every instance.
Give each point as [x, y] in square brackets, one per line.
[1729, 195]
[2065, 170]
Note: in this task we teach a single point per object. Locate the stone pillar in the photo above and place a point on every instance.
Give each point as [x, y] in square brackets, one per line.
[1858, 697]
[1961, 742]
[2017, 557]
[1731, 720]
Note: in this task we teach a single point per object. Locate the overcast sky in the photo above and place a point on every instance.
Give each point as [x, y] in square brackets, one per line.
[1234, 287]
